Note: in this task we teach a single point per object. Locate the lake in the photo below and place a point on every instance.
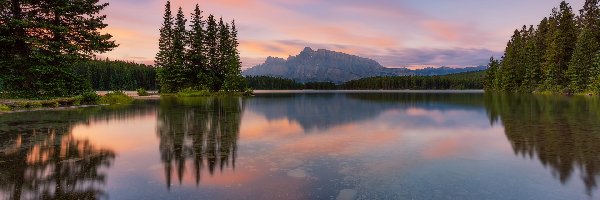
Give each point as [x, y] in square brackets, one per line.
[308, 145]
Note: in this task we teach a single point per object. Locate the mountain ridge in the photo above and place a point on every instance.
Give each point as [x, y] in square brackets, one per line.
[325, 65]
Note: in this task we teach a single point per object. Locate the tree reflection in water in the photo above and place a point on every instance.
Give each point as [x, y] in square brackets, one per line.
[562, 132]
[48, 162]
[202, 130]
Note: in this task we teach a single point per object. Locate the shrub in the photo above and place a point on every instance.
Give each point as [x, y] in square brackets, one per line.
[116, 97]
[89, 98]
[50, 103]
[142, 92]
[4, 108]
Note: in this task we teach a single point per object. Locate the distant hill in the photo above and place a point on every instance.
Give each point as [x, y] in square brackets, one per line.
[330, 66]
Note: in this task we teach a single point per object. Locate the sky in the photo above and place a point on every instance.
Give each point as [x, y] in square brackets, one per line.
[396, 33]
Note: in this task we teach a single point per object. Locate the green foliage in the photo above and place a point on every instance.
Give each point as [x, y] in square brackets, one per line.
[273, 83]
[107, 75]
[88, 98]
[557, 57]
[115, 97]
[189, 92]
[4, 108]
[467, 80]
[205, 57]
[39, 41]
[490, 74]
[142, 92]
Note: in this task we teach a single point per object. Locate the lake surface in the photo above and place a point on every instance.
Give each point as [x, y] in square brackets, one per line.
[308, 145]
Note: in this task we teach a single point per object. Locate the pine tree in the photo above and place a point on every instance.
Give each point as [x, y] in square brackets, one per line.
[561, 46]
[234, 81]
[46, 37]
[490, 74]
[180, 70]
[513, 68]
[595, 83]
[164, 58]
[212, 53]
[224, 49]
[531, 61]
[196, 53]
[580, 67]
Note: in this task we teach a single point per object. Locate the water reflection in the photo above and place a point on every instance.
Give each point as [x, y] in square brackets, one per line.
[320, 111]
[203, 130]
[41, 159]
[562, 132]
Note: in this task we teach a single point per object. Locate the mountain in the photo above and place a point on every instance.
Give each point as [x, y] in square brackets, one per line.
[329, 66]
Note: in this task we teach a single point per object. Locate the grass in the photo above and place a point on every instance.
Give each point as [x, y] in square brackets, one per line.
[205, 93]
[89, 98]
[115, 97]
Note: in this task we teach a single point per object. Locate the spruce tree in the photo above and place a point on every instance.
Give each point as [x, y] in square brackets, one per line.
[196, 54]
[581, 66]
[212, 53]
[224, 48]
[164, 58]
[45, 37]
[561, 46]
[234, 81]
[180, 70]
[490, 74]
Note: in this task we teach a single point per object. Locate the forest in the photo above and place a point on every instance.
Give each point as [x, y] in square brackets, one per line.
[466, 80]
[39, 42]
[559, 55]
[107, 75]
[205, 57]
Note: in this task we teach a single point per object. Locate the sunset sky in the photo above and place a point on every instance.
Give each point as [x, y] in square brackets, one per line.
[399, 33]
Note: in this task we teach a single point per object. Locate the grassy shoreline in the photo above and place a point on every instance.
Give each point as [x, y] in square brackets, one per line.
[83, 100]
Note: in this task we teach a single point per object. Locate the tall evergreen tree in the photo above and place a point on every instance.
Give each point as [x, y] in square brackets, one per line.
[224, 48]
[46, 37]
[164, 58]
[490, 74]
[580, 68]
[212, 53]
[561, 46]
[234, 81]
[180, 69]
[196, 54]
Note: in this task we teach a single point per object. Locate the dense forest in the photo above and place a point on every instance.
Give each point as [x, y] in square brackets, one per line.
[560, 55]
[106, 75]
[466, 80]
[39, 42]
[205, 57]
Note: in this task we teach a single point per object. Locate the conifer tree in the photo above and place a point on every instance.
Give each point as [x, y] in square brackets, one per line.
[234, 81]
[224, 48]
[561, 46]
[44, 38]
[490, 75]
[212, 53]
[581, 66]
[180, 70]
[164, 58]
[196, 53]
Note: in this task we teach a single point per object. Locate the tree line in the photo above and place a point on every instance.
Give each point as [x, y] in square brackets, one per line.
[467, 80]
[203, 57]
[107, 75]
[560, 55]
[41, 39]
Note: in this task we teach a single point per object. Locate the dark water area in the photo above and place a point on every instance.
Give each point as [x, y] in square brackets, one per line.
[308, 145]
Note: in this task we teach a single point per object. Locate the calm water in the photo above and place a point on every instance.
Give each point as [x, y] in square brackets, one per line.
[324, 145]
